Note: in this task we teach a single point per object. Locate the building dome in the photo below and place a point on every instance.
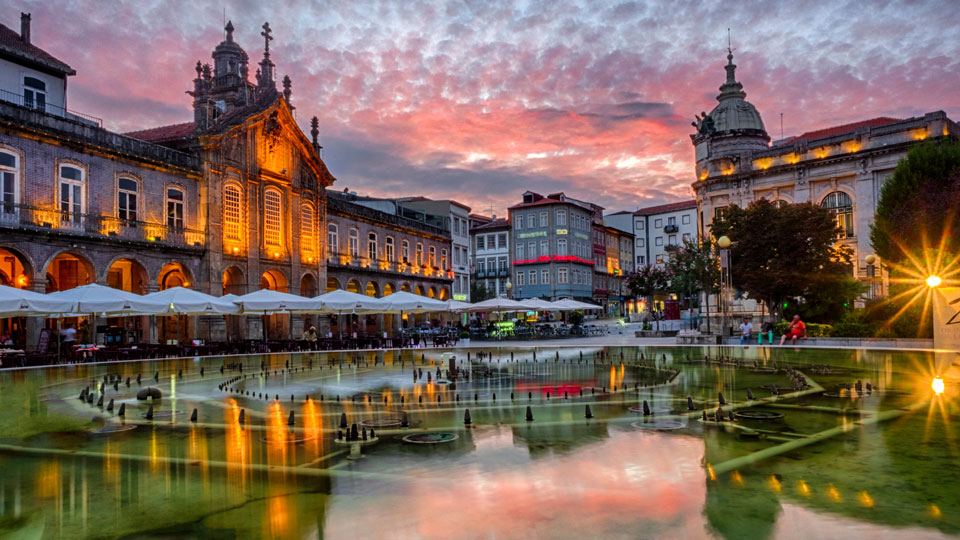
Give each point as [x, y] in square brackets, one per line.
[734, 113]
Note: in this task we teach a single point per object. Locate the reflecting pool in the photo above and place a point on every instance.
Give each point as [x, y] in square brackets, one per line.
[561, 443]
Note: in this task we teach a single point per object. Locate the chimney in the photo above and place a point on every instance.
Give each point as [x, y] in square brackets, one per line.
[25, 27]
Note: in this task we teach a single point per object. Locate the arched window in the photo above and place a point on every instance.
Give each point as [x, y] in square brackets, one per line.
[419, 259]
[232, 213]
[127, 191]
[390, 249]
[71, 194]
[372, 246]
[443, 260]
[405, 251]
[9, 182]
[840, 205]
[307, 226]
[272, 217]
[333, 239]
[175, 201]
[354, 243]
[432, 258]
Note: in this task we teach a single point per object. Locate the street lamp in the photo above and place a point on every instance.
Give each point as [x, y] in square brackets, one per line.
[508, 286]
[934, 281]
[725, 282]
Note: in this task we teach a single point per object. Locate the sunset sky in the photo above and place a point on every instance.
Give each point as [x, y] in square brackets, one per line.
[480, 101]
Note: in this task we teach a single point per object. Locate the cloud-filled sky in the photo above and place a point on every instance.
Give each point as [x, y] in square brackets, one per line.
[480, 101]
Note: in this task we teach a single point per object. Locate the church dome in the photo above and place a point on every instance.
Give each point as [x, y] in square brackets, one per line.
[734, 112]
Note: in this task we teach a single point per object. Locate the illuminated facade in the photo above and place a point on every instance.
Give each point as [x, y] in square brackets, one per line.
[228, 203]
[841, 168]
[551, 238]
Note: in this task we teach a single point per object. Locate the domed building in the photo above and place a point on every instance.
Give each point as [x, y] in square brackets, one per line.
[841, 168]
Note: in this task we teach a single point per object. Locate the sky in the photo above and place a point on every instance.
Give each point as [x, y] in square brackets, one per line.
[481, 101]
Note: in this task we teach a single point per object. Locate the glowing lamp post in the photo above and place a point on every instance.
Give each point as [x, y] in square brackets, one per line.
[725, 282]
[937, 386]
[508, 286]
[934, 281]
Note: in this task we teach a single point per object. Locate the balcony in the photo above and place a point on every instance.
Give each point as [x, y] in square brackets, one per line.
[671, 248]
[47, 108]
[19, 216]
[348, 261]
[671, 228]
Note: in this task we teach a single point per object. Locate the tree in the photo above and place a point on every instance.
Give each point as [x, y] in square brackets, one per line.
[789, 252]
[647, 280]
[918, 205]
[479, 291]
[694, 269]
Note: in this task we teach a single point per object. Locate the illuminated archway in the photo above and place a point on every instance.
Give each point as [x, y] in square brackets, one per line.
[444, 294]
[333, 284]
[68, 270]
[128, 275]
[274, 280]
[174, 274]
[418, 291]
[353, 286]
[431, 293]
[233, 282]
[387, 289]
[405, 287]
[15, 269]
[372, 290]
[308, 286]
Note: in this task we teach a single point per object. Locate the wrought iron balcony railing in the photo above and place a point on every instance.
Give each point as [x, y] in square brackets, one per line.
[21, 216]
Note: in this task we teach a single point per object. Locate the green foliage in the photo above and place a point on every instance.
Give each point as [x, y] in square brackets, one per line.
[694, 268]
[853, 329]
[918, 204]
[790, 252]
[479, 292]
[464, 335]
[647, 280]
[813, 329]
[575, 318]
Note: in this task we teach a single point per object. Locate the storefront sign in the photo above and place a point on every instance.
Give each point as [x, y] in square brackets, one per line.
[561, 231]
[460, 297]
[531, 234]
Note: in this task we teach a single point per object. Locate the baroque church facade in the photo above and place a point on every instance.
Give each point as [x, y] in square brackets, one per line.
[841, 168]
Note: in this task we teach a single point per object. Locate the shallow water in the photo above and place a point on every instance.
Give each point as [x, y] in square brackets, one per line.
[69, 469]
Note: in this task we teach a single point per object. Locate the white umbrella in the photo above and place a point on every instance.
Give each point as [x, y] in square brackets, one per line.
[95, 298]
[457, 306]
[190, 302]
[541, 305]
[572, 305]
[266, 301]
[406, 302]
[500, 304]
[340, 301]
[23, 303]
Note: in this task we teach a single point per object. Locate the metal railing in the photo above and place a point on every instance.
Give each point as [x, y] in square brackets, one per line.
[47, 108]
[51, 219]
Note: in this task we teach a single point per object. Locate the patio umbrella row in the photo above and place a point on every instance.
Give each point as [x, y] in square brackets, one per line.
[112, 302]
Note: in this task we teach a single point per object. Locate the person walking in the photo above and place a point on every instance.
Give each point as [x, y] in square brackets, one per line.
[797, 330]
[746, 331]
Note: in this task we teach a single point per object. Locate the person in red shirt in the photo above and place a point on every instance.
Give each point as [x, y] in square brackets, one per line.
[797, 330]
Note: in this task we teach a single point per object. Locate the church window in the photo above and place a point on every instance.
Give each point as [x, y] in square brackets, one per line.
[232, 213]
[272, 217]
[307, 225]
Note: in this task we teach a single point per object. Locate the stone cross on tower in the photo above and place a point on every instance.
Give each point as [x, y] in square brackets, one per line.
[266, 39]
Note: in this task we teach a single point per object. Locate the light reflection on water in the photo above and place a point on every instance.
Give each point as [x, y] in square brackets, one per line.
[560, 476]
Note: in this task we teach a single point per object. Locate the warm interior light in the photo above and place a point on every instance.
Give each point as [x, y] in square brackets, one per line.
[276, 254]
[934, 281]
[186, 284]
[937, 385]
[22, 280]
[236, 250]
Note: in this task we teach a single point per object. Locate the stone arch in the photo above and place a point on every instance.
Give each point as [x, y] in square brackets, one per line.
[418, 290]
[66, 269]
[829, 190]
[128, 274]
[444, 294]
[372, 289]
[405, 287]
[16, 268]
[354, 286]
[308, 285]
[333, 284]
[275, 280]
[388, 289]
[174, 274]
[431, 293]
[233, 281]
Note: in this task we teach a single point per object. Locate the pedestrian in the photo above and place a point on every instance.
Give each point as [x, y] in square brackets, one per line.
[746, 331]
[768, 330]
[796, 330]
